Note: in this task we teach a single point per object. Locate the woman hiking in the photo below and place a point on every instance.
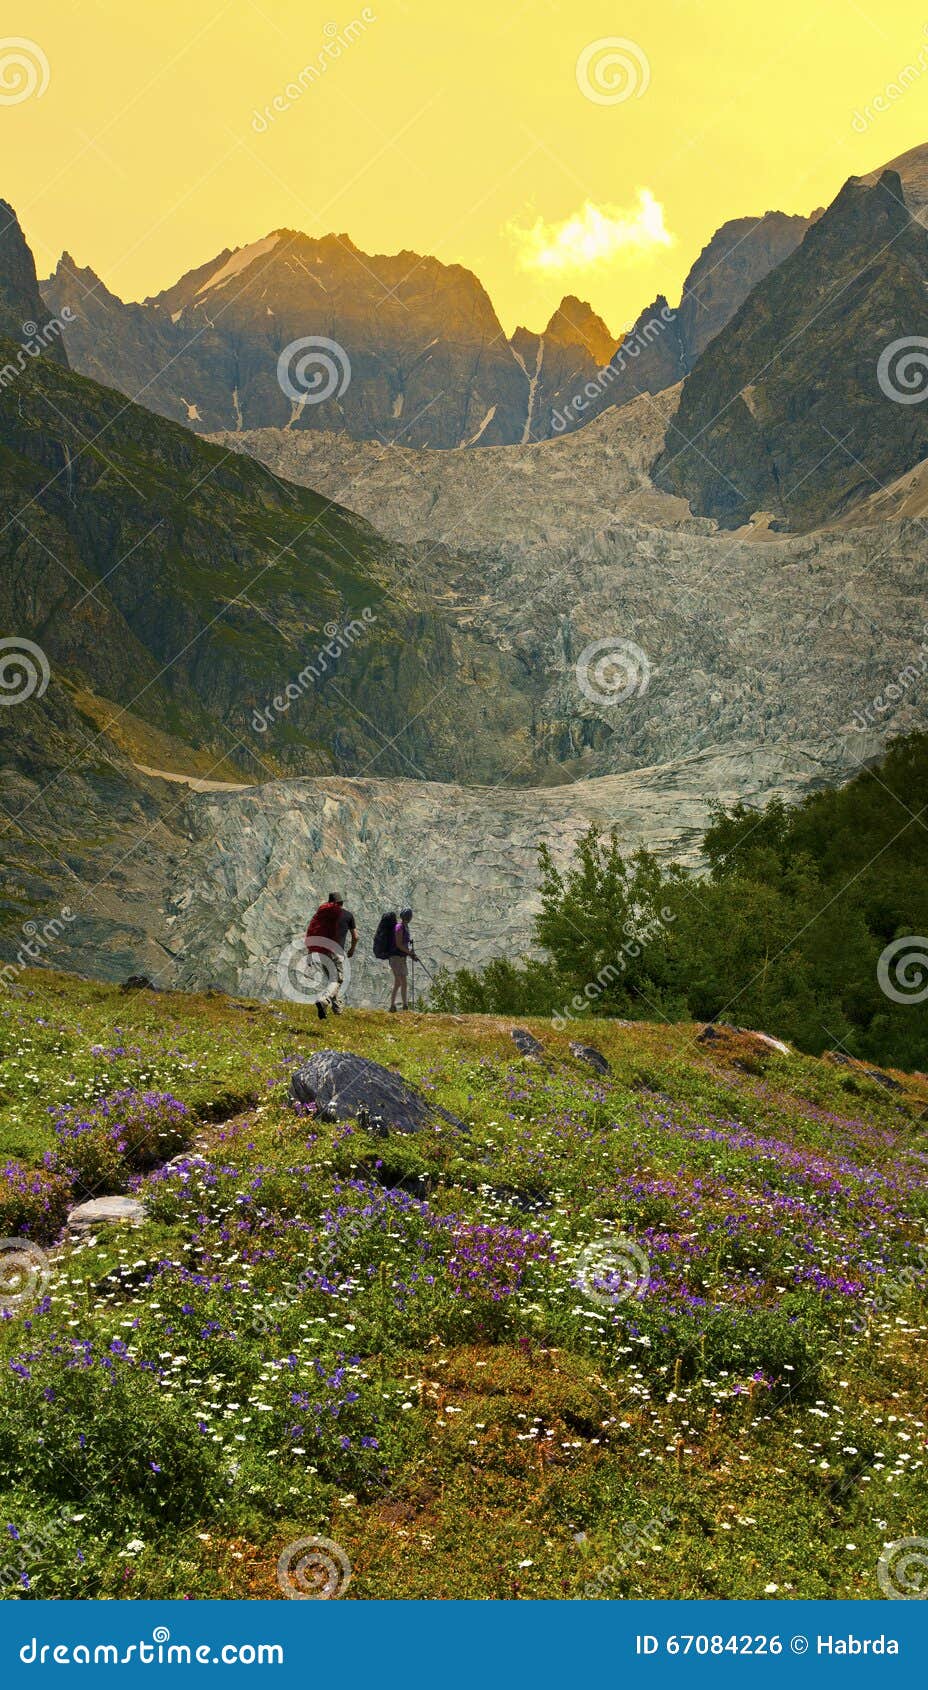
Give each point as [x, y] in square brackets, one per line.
[402, 952]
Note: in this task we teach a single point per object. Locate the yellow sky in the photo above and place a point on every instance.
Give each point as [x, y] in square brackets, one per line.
[468, 131]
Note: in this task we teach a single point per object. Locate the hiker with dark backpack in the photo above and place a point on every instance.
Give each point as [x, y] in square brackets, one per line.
[393, 944]
[402, 952]
[325, 952]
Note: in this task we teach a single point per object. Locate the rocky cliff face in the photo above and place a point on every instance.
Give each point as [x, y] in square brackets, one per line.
[24, 316]
[740, 254]
[576, 324]
[559, 364]
[122, 346]
[912, 170]
[464, 859]
[790, 409]
[215, 889]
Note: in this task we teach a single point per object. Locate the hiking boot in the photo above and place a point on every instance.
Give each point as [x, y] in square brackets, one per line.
[320, 1011]
[335, 1007]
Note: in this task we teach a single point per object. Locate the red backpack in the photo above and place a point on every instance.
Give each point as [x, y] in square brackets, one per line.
[324, 925]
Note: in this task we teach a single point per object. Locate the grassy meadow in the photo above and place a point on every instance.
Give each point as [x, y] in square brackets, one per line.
[659, 1334]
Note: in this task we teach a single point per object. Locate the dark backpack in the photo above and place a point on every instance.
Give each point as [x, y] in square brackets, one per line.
[383, 938]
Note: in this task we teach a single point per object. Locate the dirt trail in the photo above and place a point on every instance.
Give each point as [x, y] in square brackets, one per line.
[196, 782]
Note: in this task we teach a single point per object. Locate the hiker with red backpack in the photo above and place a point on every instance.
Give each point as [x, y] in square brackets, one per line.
[325, 937]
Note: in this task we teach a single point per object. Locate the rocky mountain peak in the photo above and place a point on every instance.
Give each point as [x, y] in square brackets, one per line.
[738, 256]
[74, 282]
[575, 323]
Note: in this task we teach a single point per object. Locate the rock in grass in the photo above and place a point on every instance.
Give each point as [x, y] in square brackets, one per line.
[526, 1042]
[594, 1058]
[722, 1029]
[882, 1079]
[344, 1087]
[104, 1211]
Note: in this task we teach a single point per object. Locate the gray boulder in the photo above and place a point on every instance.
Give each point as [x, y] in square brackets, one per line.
[526, 1042]
[345, 1087]
[594, 1058]
[104, 1211]
[720, 1029]
[882, 1079]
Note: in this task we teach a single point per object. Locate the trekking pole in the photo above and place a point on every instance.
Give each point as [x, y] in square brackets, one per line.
[413, 982]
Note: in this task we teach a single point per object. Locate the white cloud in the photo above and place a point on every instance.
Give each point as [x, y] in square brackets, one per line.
[595, 235]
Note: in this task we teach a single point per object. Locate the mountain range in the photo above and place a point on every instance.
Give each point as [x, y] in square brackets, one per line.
[430, 364]
[343, 658]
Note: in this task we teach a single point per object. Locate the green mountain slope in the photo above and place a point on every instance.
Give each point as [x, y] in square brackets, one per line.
[192, 585]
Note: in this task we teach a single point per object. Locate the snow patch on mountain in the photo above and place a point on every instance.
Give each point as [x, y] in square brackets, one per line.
[240, 260]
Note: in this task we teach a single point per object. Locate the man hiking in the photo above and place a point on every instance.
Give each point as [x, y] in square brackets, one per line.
[402, 951]
[347, 940]
[326, 953]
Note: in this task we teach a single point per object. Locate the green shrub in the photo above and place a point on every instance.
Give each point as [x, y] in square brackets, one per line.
[34, 1202]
